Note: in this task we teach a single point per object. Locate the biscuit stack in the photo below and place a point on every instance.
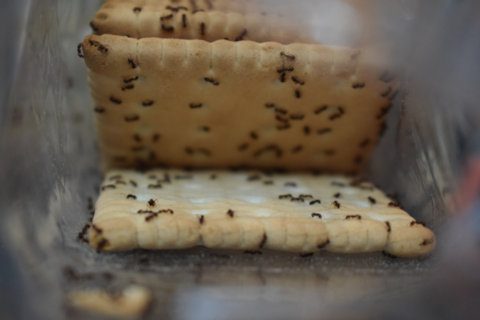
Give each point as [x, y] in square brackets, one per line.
[219, 85]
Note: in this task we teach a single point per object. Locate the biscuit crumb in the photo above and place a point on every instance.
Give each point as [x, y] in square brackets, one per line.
[133, 301]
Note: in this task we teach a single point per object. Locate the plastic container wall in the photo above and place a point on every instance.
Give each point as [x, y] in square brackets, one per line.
[49, 168]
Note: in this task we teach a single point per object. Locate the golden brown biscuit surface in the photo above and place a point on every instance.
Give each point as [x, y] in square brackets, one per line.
[225, 104]
[185, 19]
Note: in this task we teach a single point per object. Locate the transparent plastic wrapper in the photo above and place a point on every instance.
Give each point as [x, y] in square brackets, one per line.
[49, 167]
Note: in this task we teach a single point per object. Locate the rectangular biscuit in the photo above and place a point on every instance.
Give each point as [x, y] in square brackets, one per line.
[226, 104]
[251, 211]
[206, 20]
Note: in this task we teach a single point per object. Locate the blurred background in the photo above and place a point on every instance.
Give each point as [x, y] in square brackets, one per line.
[13, 15]
[429, 158]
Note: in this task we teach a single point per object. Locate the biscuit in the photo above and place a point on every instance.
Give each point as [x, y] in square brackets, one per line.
[251, 211]
[225, 104]
[132, 302]
[206, 20]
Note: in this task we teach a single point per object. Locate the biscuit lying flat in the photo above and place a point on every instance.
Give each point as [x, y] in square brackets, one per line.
[251, 211]
[208, 20]
[225, 104]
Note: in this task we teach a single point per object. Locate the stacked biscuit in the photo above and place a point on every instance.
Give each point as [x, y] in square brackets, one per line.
[194, 84]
